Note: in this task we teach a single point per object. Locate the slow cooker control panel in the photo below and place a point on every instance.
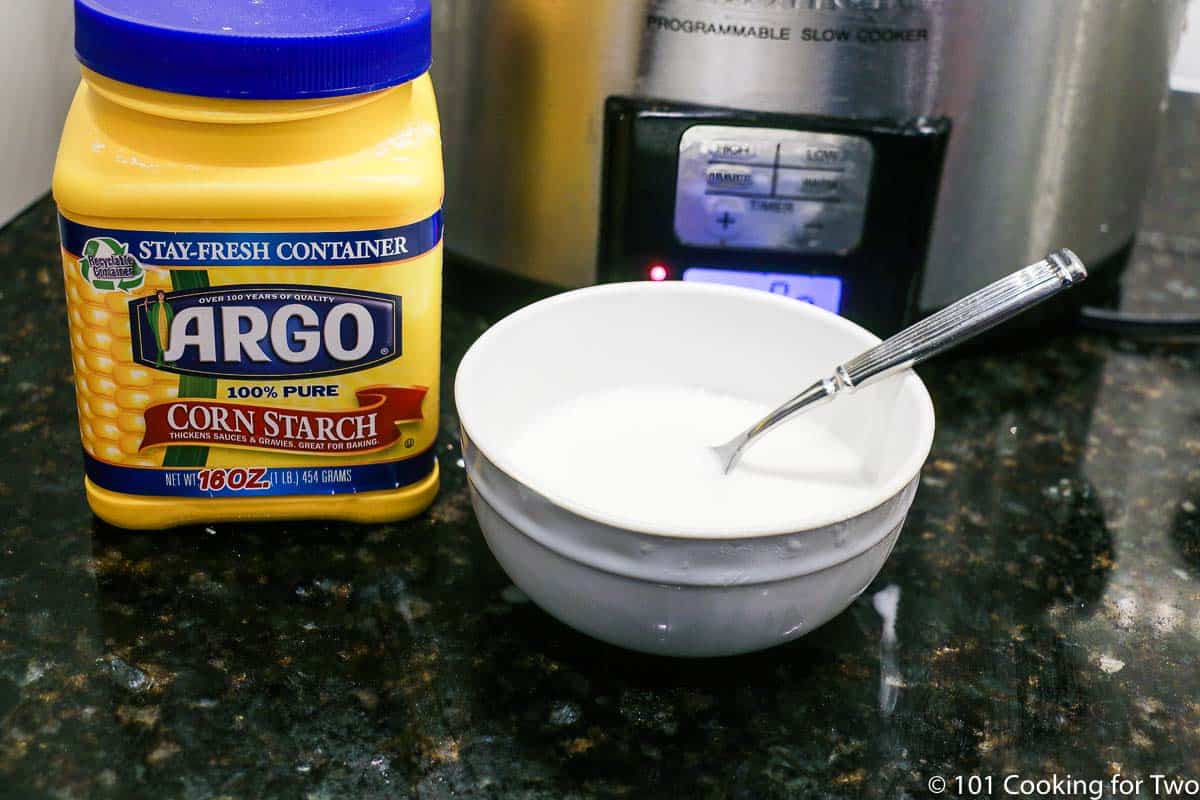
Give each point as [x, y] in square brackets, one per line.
[773, 189]
[831, 211]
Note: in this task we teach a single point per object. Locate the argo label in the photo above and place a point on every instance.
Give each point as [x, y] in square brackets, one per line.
[252, 332]
[255, 364]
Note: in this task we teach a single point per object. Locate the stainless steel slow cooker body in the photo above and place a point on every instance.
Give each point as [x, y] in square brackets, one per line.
[1054, 107]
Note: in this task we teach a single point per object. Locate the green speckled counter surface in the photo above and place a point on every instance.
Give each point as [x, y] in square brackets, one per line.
[1048, 622]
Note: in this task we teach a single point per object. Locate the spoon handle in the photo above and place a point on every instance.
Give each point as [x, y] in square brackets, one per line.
[951, 326]
[964, 319]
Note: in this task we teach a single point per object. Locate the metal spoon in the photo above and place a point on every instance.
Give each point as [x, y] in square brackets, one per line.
[935, 334]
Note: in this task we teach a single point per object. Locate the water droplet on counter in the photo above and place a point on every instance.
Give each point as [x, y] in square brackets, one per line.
[887, 604]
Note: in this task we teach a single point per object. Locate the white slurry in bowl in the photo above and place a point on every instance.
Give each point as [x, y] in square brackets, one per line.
[642, 453]
[586, 420]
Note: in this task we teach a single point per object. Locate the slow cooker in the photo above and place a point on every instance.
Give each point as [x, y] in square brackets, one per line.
[879, 158]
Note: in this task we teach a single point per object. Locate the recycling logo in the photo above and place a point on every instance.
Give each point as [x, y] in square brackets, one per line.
[109, 266]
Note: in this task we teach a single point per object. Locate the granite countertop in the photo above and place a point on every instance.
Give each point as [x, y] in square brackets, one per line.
[1048, 582]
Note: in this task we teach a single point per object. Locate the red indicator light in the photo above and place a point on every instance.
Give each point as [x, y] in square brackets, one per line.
[658, 272]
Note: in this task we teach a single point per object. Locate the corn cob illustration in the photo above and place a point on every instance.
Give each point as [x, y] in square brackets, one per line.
[113, 391]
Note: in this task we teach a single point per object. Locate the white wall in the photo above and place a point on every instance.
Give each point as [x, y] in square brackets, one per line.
[37, 62]
[1186, 76]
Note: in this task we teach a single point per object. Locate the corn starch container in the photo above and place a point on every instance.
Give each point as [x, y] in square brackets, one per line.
[250, 205]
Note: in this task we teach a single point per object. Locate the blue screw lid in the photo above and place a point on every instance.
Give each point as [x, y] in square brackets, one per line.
[255, 49]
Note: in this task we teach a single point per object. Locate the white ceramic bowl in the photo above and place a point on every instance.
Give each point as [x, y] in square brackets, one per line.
[679, 591]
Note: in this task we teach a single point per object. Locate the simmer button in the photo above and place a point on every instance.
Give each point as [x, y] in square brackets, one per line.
[737, 179]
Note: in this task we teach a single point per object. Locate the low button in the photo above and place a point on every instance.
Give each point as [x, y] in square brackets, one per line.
[814, 155]
[800, 183]
[737, 179]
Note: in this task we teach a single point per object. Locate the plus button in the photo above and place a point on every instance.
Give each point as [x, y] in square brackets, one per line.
[723, 218]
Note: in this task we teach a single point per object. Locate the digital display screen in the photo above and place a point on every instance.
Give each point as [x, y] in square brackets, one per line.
[820, 290]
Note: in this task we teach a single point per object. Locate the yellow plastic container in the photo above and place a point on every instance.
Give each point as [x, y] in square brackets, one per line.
[254, 279]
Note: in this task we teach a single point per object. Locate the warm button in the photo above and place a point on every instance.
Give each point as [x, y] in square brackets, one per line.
[801, 183]
[736, 179]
